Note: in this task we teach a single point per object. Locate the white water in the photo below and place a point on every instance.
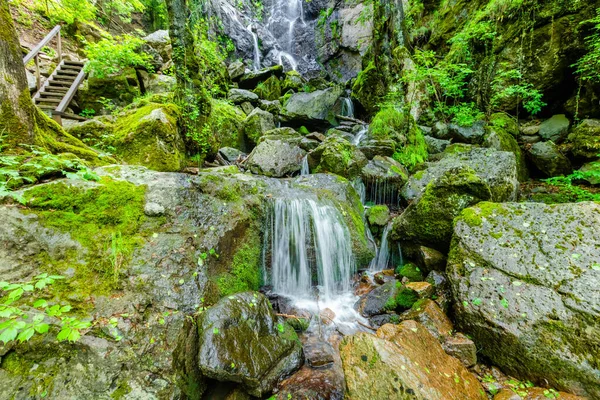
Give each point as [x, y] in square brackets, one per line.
[361, 189]
[256, 49]
[305, 168]
[381, 261]
[360, 136]
[284, 16]
[347, 107]
[282, 54]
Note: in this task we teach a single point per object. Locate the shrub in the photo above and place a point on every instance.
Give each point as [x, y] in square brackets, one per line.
[112, 55]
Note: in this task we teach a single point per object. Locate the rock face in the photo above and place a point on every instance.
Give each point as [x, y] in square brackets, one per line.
[404, 362]
[468, 134]
[549, 160]
[276, 158]
[238, 340]
[585, 139]
[315, 107]
[525, 280]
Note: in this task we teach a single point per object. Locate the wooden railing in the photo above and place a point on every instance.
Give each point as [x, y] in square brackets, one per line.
[35, 53]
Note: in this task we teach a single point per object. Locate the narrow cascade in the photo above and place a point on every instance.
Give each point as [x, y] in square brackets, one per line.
[347, 107]
[380, 191]
[361, 189]
[305, 168]
[360, 136]
[256, 49]
[381, 261]
[283, 20]
[309, 244]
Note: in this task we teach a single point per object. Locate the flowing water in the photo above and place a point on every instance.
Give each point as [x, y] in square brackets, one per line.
[360, 136]
[347, 107]
[256, 49]
[381, 261]
[284, 16]
[305, 168]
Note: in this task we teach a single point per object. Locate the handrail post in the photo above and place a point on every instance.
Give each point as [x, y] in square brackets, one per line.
[37, 72]
[59, 47]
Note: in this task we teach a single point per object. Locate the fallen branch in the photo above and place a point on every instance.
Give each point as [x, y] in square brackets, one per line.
[366, 326]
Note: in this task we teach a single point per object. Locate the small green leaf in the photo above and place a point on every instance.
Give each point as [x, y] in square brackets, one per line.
[504, 303]
[216, 331]
[596, 267]
[25, 335]
[41, 303]
[476, 301]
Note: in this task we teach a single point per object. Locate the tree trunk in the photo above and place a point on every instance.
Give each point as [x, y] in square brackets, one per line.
[17, 112]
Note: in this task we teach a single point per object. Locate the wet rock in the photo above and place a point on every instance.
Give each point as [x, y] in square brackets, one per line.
[468, 134]
[270, 89]
[404, 361]
[251, 79]
[384, 177]
[535, 394]
[276, 158]
[372, 148]
[505, 272]
[240, 340]
[236, 69]
[555, 128]
[310, 108]
[584, 140]
[375, 301]
[549, 160]
[431, 259]
[429, 314]
[240, 96]
[501, 139]
[318, 353]
[257, 123]
[384, 276]
[377, 321]
[423, 289]
[461, 347]
[293, 81]
[378, 215]
[435, 146]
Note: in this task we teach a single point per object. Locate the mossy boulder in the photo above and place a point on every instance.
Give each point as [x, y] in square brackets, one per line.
[226, 124]
[531, 305]
[119, 89]
[378, 215]
[500, 139]
[276, 157]
[555, 128]
[584, 140]
[209, 347]
[256, 124]
[411, 272]
[312, 109]
[269, 89]
[428, 220]
[337, 156]
[94, 133]
[369, 88]
[293, 81]
[149, 136]
[404, 361]
[549, 160]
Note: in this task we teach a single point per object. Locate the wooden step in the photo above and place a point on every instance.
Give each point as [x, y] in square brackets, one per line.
[77, 63]
[54, 101]
[56, 89]
[63, 72]
[52, 95]
[63, 82]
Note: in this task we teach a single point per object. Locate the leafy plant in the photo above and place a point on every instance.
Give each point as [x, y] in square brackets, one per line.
[88, 113]
[588, 66]
[112, 55]
[510, 85]
[21, 319]
[67, 11]
[576, 193]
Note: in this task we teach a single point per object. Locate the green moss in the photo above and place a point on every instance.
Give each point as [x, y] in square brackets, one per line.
[378, 215]
[244, 274]
[149, 136]
[226, 125]
[122, 390]
[303, 130]
[92, 216]
[506, 122]
[269, 89]
[410, 271]
[369, 88]
[403, 300]
[338, 156]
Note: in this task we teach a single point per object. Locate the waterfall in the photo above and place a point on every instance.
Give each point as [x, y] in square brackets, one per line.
[282, 54]
[281, 23]
[361, 189]
[305, 168]
[381, 261]
[360, 136]
[309, 243]
[347, 108]
[256, 49]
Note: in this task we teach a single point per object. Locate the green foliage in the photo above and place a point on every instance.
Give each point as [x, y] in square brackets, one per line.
[23, 313]
[155, 14]
[588, 66]
[112, 55]
[67, 11]
[109, 9]
[509, 85]
[465, 114]
[244, 274]
[572, 192]
[403, 300]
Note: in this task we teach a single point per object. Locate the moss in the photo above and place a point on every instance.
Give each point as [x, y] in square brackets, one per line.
[149, 136]
[470, 217]
[505, 122]
[293, 81]
[244, 274]
[585, 140]
[269, 89]
[122, 390]
[303, 130]
[378, 215]
[410, 271]
[369, 88]
[121, 89]
[92, 216]
[338, 156]
[500, 139]
[226, 124]
[403, 300]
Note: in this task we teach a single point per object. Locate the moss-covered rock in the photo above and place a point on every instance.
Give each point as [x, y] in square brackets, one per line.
[549, 160]
[256, 124]
[584, 140]
[500, 139]
[293, 81]
[149, 136]
[542, 292]
[378, 215]
[369, 88]
[226, 126]
[269, 89]
[337, 156]
[410, 271]
[94, 133]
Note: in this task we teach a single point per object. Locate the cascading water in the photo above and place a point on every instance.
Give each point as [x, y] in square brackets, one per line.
[361, 189]
[381, 261]
[305, 170]
[360, 135]
[347, 107]
[283, 19]
[256, 49]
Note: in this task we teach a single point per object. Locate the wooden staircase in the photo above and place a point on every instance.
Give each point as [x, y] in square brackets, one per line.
[59, 89]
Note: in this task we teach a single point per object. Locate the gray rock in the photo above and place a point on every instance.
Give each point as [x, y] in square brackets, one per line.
[592, 167]
[257, 123]
[440, 131]
[372, 148]
[373, 303]
[276, 158]
[497, 168]
[318, 353]
[251, 79]
[525, 280]
[435, 146]
[31, 81]
[155, 83]
[461, 347]
[468, 134]
[272, 106]
[549, 160]
[337, 156]
[313, 107]
[236, 69]
[153, 209]
[247, 107]
[555, 128]
[239, 340]
[161, 43]
[239, 96]
[230, 154]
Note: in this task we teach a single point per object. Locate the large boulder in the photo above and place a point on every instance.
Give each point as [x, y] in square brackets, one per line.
[525, 279]
[239, 96]
[227, 126]
[251, 79]
[548, 159]
[116, 90]
[501, 136]
[337, 156]
[257, 123]
[160, 42]
[472, 134]
[312, 108]
[238, 340]
[497, 168]
[276, 158]
[156, 84]
[270, 89]
[555, 128]
[149, 136]
[404, 362]
[584, 140]
[369, 88]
